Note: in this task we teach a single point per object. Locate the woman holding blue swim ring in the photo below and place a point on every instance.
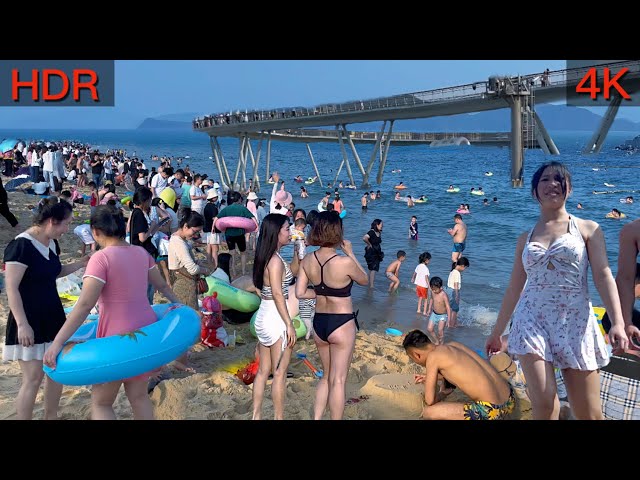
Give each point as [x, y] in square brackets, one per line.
[116, 278]
[274, 328]
[334, 323]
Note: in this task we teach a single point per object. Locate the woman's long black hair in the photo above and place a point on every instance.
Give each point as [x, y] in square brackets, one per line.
[224, 263]
[267, 245]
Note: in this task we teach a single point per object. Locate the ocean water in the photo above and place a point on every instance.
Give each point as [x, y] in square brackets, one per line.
[492, 230]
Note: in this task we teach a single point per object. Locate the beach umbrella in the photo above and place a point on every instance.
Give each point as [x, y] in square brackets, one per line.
[16, 182]
[8, 144]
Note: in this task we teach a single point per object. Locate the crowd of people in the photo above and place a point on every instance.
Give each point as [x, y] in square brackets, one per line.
[174, 212]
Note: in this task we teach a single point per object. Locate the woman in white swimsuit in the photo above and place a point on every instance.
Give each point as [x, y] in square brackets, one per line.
[552, 321]
[274, 328]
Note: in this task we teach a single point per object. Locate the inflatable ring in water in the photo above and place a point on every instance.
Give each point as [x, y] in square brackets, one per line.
[247, 224]
[462, 212]
[609, 215]
[298, 325]
[476, 192]
[232, 297]
[321, 208]
[453, 190]
[421, 201]
[400, 187]
[107, 359]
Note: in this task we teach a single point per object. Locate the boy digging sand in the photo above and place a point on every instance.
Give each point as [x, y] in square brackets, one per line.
[393, 271]
[491, 396]
[439, 302]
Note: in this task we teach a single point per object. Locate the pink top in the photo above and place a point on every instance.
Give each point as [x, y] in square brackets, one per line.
[123, 302]
[251, 206]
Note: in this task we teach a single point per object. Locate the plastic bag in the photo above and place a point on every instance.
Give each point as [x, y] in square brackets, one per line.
[65, 286]
[248, 373]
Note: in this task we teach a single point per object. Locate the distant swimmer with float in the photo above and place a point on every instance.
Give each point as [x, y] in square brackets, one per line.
[453, 189]
[615, 214]
[488, 174]
[400, 186]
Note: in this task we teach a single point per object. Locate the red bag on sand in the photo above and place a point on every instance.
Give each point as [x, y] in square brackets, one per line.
[248, 373]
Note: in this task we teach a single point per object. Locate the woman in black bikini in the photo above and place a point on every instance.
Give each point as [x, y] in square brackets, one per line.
[335, 332]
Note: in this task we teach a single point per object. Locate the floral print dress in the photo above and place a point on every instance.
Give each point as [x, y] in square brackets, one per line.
[554, 318]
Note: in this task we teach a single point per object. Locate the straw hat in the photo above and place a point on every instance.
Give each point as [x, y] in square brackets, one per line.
[253, 196]
[212, 193]
[283, 198]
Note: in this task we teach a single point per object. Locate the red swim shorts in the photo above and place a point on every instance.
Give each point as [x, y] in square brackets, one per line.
[421, 291]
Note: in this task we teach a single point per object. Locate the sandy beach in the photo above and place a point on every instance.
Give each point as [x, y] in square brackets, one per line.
[379, 385]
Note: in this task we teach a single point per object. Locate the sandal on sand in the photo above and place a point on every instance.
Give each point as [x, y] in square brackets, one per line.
[359, 399]
[289, 375]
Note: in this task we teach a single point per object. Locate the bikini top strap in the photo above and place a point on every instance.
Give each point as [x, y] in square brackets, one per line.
[322, 266]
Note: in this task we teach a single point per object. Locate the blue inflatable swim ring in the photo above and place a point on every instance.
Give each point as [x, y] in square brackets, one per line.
[343, 213]
[107, 359]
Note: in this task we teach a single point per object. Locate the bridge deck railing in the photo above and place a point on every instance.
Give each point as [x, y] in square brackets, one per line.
[472, 90]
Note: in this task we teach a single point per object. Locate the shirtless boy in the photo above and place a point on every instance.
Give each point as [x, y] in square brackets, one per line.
[439, 310]
[393, 271]
[491, 396]
[459, 234]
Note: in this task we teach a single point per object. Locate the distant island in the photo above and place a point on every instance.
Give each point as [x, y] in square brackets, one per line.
[555, 118]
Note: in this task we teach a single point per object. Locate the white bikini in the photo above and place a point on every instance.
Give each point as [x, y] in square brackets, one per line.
[269, 324]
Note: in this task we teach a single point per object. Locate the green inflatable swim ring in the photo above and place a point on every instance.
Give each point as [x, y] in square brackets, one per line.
[232, 297]
[298, 325]
[453, 190]
[126, 200]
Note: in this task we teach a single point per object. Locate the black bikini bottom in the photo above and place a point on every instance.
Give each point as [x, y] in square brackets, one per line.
[325, 324]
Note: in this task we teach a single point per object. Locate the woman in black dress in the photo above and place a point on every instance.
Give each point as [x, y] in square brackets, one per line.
[35, 310]
[373, 253]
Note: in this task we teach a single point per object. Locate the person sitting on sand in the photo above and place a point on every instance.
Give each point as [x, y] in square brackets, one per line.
[492, 398]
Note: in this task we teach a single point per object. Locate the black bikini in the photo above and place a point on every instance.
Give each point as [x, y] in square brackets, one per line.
[325, 324]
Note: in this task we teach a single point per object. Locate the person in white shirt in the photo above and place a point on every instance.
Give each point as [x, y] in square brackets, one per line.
[453, 290]
[198, 197]
[159, 181]
[421, 279]
[47, 167]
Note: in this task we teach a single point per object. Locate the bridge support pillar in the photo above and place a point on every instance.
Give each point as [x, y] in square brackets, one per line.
[383, 157]
[217, 161]
[267, 174]
[315, 167]
[226, 179]
[235, 185]
[517, 149]
[344, 154]
[353, 150]
[256, 179]
[374, 153]
[596, 142]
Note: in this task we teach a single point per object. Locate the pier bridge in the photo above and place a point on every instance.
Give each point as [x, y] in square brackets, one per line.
[300, 124]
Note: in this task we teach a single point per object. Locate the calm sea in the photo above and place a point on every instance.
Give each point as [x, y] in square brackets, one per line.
[426, 171]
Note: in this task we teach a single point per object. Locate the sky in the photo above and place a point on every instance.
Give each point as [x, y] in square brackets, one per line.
[152, 88]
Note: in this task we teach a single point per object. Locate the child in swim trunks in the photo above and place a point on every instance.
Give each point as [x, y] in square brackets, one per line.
[438, 302]
[393, 271]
